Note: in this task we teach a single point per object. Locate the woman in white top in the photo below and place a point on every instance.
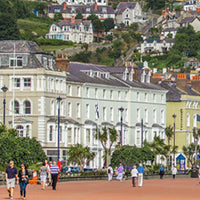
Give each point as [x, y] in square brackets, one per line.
[134, 174]
[174, 171]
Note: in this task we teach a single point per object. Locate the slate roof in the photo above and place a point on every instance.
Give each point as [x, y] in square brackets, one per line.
[124, 5]
[21, 46]
[151, 40]
[73, 24]
[81, 9]
[78, 74]
[27, 49]
[188, 20]
[169, 40]
[174, 93]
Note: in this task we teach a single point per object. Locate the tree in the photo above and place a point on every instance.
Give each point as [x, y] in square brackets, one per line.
[92, 17]
[189, 152]
[80, 155]
[107, 138]
[158, 147]
[98, 27]
[8, 22]
[41, 7]
[79, 16]
[131, 155]
[196, 135]
[169, 133]
[97, 24]
[108, 24]
[19, 149]
[58, 16]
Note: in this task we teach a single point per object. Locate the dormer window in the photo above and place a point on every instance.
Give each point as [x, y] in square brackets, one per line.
[131, 75]
[104, 10]
[125, 74]
[56, 10]
[143, 76]
[16, 62]
[91, 73]
[148, 77]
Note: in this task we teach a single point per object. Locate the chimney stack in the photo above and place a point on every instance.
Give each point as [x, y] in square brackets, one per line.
[196, 83]
[62, 62]
[181, 82]
[95, 5]
[155, 78]
[135, 75]
[64, 5]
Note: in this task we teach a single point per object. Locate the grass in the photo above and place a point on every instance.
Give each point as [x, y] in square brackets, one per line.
[36, 27]
[51, 48]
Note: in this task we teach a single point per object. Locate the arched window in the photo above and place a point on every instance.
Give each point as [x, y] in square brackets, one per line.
[20, 130]
[16, 107]
[27, 107]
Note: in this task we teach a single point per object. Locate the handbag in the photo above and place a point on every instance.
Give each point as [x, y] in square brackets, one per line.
[26, 180]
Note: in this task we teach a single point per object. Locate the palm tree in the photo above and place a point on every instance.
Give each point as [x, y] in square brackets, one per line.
[158, 147]
[196, 135]
[107, 139]
[189, 152]
[169, 134]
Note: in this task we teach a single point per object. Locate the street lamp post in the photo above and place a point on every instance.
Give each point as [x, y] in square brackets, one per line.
[142, 133]
[59, 99]
[174, 116]
[4, 89]
[121, 110]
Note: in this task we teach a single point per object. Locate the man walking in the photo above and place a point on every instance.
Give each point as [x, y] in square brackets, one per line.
[11, 174]
[54, 169]
[140, 175]
[110, 173]
[161, 172]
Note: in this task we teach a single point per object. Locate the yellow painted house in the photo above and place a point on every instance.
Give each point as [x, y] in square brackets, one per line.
[182, 107]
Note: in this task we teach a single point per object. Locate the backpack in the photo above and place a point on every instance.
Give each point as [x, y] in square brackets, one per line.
[109, 171]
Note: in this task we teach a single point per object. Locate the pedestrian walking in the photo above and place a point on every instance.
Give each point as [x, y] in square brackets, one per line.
[110, 173]
[116, 171]
[134, 174]
[120, 172]
[140, 175]
[49, 173]
[43, 175]
[54, 173]
[161, 172]
[10, 176]
[23, 181]
[174, 171]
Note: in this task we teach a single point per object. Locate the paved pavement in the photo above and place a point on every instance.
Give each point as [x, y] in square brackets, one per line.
[166, 189]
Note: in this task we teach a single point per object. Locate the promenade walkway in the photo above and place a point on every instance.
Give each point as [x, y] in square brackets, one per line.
[166, 189]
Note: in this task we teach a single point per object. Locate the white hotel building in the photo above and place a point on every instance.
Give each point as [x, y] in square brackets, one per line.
[34, 83]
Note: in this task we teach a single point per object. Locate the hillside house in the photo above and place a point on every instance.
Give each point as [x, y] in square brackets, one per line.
[128, 13]
[74, 30]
